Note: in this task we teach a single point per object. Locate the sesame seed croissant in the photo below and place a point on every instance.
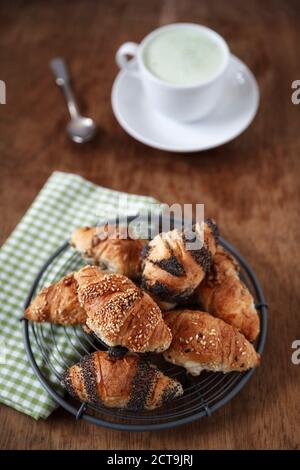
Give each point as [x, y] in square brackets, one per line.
[111, 248]
[58, 304]
[223, 294]
[130, 382]
[111, 305]
[203, 342]
[173, 266]
[120, 313]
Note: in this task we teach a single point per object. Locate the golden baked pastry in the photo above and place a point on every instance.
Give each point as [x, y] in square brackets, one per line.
[224, 295]
[129, 382]
[203, 342]
[171, 269]
[120, 313]
[110, 248]
[57, 303]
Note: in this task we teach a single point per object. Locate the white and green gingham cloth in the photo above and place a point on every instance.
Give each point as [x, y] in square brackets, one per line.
[66, 201]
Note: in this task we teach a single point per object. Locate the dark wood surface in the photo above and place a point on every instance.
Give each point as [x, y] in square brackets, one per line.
[250, 186]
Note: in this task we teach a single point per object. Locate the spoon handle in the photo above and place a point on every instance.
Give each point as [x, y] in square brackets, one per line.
[60, 71]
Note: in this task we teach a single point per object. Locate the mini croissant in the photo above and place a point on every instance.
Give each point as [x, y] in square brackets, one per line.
[173, 266]
[57, 303]
[130, 382]
[110, 248]
[120, 313]
[203, 342]
[223, 294]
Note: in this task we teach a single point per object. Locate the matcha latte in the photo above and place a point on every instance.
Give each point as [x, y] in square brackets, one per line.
[183, 56]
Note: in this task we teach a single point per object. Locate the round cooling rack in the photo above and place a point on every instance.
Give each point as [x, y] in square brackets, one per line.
[51, 349]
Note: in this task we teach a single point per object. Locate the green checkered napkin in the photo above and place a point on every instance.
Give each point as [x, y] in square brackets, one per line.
[65, 202]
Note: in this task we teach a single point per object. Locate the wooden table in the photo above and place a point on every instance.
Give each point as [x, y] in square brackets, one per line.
[250, 186]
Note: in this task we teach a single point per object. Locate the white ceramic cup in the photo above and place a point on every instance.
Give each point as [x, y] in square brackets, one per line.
[179, 102]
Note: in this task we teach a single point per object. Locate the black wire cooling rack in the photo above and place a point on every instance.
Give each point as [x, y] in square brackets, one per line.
[51, 349]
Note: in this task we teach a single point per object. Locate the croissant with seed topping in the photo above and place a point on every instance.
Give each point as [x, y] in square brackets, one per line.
[173, 266]
[203, 342]
[120, 313]
[111, 305]
[130, 382]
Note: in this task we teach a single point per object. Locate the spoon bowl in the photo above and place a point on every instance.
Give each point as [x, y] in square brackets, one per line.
[81, 129]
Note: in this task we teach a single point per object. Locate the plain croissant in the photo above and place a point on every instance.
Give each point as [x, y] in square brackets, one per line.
[129, 382]
[57, 303]
[223, 294]
[173, 267]
[203, 342]
[120, 313]
[110, 248]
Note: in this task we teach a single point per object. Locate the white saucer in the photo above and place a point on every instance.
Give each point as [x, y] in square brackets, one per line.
[229, 119]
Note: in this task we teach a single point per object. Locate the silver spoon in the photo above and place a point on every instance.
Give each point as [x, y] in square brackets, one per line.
[80, 128]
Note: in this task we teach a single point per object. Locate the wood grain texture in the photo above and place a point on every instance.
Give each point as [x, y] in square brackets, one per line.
[250, 186]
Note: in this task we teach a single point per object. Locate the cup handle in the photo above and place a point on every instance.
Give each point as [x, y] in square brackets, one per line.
[126, 55]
